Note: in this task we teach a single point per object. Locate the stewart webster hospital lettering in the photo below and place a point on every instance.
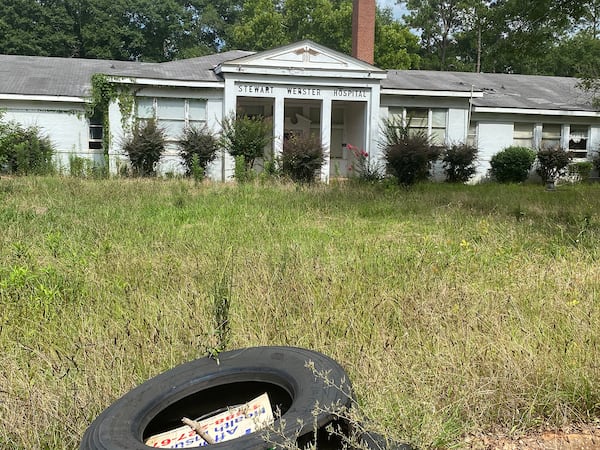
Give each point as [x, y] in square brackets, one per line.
[303, 91]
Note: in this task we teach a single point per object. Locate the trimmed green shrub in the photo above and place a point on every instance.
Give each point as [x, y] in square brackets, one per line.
[145, 147]
[512, 165]
[458, 161]
[408, 154]
[302, 158]
[552, 163]
[24, 151]
[197, 147]
[246, 136]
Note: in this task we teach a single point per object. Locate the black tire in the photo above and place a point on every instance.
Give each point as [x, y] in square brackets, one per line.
[375, 441]
[201, 386]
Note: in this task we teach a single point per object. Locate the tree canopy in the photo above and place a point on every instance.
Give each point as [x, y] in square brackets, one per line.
[150, 30]
[553, 37]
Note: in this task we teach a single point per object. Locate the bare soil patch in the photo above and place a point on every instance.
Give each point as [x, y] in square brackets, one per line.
[580, 437]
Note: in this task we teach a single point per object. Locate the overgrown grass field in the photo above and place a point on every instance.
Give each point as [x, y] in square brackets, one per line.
[454, 309]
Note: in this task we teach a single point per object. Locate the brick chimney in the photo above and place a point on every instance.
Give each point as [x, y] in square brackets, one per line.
[363, 30]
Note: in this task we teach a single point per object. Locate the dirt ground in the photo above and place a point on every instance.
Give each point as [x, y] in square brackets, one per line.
[581, 437]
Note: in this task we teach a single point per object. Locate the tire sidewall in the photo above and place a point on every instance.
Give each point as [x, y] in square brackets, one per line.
[122, 425]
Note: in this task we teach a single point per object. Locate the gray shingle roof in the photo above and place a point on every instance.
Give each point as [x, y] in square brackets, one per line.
[35, 75]
[499, 90]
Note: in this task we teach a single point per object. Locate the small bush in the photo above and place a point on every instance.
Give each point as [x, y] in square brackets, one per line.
[512, 165]
[246, 136]
[458, 161]
[86, 168]
[197, 147]
[363, 168]
[552, 163]
[241, 172]
[596, 162]
[24, 151]
[302, 158]
[272, 168]
[408, 155]
[145, 147]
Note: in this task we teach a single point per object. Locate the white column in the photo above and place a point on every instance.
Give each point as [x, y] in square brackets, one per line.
[326, 137]
[278, 124]
[229, 110]
[564, 136]
[214, 117]
[116, 134]
[372, 125]
[537, 135]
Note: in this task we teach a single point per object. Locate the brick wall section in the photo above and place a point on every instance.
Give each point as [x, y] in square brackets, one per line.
[363, 30]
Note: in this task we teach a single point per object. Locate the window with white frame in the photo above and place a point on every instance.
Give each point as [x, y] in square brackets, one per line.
[578, 141]
[472, 139]
[523, 134]
[438, 121]
[551, 133]
[172, 114]
[431, 121]
[96, 133]
[417, 120]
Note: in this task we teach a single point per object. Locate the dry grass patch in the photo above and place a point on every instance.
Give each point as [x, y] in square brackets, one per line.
[455, 309]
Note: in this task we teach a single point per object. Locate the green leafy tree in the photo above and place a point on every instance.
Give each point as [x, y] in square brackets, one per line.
[521, 35]
[512, 36]
[36, 28]
[437, 21]
[207, 26]
[395, 46]
[574, 56]
[322, 21]
[265, 24]
[116, 29]
[260, 27]
[589, 20]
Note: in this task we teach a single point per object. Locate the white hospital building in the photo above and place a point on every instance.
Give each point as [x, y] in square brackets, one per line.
[303, 88]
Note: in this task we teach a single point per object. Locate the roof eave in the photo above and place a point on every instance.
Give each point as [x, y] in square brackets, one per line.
[303, 72]
[167, 82]
[431, 93]
[534, 111]
[43, 98]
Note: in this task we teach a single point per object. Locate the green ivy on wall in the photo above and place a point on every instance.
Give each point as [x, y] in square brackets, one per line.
[105, 91]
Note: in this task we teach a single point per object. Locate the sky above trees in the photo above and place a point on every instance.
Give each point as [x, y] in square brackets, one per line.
[553, 37]
[398, 10]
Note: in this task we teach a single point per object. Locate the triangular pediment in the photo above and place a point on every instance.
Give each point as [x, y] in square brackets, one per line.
[305, 55]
